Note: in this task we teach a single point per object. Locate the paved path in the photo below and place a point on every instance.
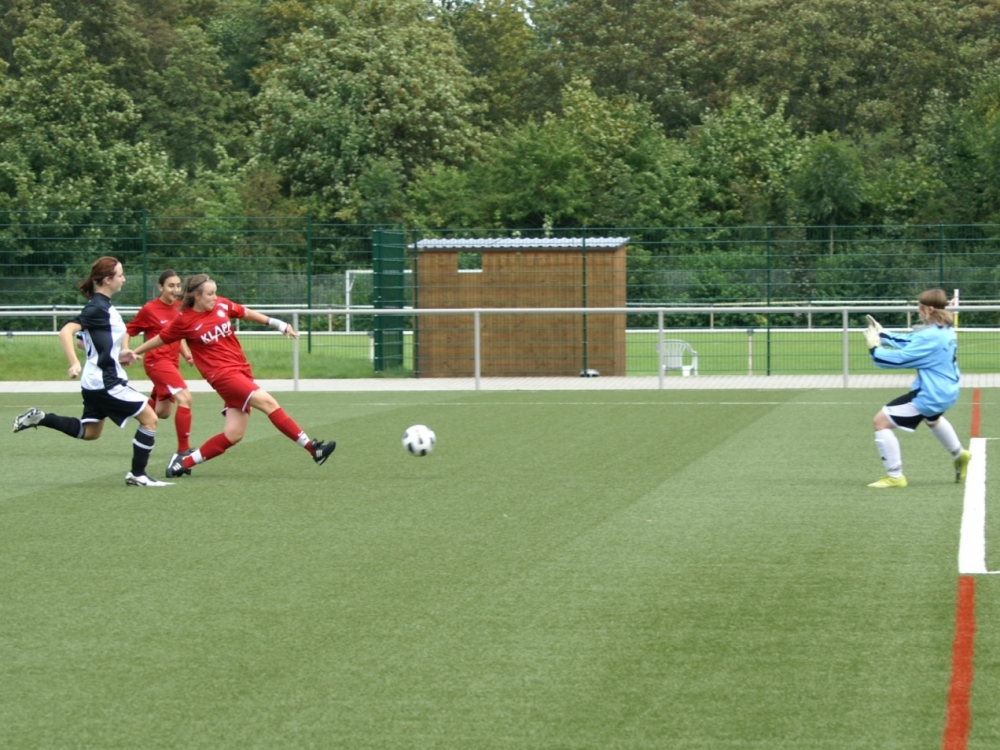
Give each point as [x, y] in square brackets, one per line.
[674, 382]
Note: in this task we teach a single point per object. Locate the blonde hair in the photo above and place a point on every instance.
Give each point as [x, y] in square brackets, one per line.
[935, 300]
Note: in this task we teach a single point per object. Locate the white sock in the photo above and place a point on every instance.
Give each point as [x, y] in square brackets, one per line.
[889, 452]
[946, 435]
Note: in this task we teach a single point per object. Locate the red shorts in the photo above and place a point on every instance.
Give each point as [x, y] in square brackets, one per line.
[167, 379]
[235, 388]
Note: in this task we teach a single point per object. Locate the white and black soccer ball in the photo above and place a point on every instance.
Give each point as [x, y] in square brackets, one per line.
[419, 440]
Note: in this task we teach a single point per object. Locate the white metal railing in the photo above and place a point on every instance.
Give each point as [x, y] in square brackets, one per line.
[477, 314]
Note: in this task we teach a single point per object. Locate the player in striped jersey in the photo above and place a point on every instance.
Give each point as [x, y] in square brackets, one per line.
[103, 383]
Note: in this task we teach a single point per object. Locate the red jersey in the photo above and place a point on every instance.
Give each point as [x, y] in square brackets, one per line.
[151, 319]
[211, 337]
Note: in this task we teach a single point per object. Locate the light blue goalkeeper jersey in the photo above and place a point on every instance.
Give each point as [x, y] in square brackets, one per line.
[932, 351]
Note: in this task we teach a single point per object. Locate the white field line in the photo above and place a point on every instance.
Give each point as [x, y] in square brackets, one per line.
[972, 545]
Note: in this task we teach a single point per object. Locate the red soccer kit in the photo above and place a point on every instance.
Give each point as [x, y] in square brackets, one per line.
[215, 349]
[160, 363]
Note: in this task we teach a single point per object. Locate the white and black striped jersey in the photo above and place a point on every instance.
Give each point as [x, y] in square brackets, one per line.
[103, 330]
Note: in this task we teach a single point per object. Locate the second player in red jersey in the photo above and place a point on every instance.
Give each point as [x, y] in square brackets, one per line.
[205, 322]
[161, 364]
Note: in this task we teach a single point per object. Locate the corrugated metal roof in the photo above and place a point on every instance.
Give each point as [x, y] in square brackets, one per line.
[526, 243]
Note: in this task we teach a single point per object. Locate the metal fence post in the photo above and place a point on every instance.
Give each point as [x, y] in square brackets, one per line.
[309, 278]
[295, 353]
[145, 253]
[845, 320]
[477, 362]
[659, 348]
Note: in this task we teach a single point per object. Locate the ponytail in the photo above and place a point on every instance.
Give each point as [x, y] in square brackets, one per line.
[101, 269]
[935, 300]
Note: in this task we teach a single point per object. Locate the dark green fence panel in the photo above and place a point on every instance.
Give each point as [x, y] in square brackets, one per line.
[389, 267]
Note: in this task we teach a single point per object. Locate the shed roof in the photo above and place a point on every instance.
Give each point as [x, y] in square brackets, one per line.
[522, 243]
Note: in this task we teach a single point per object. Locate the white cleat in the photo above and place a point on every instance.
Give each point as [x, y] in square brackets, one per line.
[30, 418]
[144, 480]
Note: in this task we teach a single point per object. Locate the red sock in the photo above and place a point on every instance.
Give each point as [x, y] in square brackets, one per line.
[285, 423]
[214, 446]
[183, 424]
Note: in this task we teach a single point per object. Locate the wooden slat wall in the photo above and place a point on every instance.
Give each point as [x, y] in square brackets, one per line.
[522, 345]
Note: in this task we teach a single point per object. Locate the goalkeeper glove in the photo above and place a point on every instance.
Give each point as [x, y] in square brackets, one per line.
[872, 323]
[872, 338]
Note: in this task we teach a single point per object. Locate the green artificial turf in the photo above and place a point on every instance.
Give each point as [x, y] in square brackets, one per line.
[673, 569]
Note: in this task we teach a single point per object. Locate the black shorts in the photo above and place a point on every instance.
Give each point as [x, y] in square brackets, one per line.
[119, 404]
[902, 413]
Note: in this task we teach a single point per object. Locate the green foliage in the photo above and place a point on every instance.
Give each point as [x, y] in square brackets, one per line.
[471, 111]
[66, 131]
[502, 51]
[599, 163]
[191, 107]
[830, 181]
[844, 66]
[971, 153]
[636, 47]
[744, 159]
[373, 80]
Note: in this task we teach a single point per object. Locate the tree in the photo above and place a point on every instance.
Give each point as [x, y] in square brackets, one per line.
[638, 47]
[969, 152]
[830, 183]
[378, 79]
[501, 50]
[744, 161]
[598, 163]
[843, 65]
[192, 107]
[66, 133]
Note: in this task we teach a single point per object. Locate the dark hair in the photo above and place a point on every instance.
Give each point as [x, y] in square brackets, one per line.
[937, 301]
[191, 286]
[102, 268]
[166, 275]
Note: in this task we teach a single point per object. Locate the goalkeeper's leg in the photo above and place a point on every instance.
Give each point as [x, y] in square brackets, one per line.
[889, 451]
[946, 435]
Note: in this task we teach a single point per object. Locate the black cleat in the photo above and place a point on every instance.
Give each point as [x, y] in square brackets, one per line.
[175, 467]
[184, 454]
[321, 451]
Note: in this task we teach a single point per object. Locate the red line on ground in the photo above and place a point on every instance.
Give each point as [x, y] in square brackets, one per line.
[974, 432]
[959, 717]
[956, 732]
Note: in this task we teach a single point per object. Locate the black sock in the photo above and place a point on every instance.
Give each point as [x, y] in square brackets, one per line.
[142, 446]
[69, 425]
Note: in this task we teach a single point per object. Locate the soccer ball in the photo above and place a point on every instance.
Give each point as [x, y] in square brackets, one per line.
[419, 440]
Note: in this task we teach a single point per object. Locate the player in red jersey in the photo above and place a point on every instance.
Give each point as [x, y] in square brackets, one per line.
[205, 322]
[162, 364]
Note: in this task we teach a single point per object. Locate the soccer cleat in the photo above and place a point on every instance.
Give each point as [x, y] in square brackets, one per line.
[321, 451]
[175, 467]
[144, 480]
[962, 465]
[183, 455]
[30, 418]
[886, 482]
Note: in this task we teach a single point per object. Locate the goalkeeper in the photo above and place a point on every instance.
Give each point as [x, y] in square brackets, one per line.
[932, 352]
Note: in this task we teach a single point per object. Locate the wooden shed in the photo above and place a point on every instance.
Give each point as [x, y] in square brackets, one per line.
[520, 273]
